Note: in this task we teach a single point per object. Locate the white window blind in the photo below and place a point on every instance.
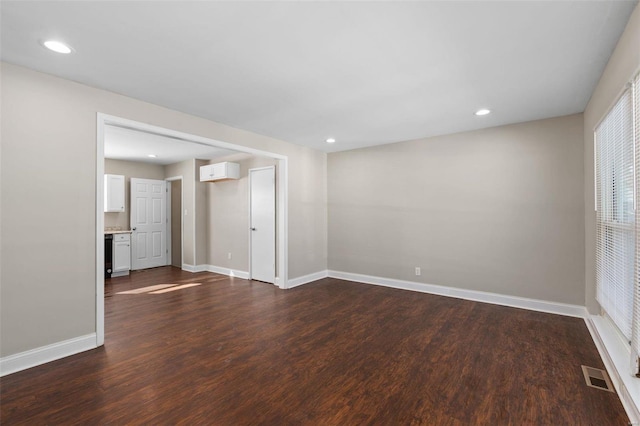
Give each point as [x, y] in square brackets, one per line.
[635, 341]
[615, 233]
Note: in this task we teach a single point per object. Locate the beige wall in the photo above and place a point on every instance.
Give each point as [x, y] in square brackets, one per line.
[228, 213]
[622, 66]
[307, 216]
[48, 132]
[497, 210]
[48, 180]
[129, 169]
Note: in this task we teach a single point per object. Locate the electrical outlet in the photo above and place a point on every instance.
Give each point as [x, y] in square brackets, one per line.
[229, 255]
[418, 271]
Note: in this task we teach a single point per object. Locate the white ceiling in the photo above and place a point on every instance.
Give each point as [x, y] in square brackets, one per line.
[365, 73]
[134, 145]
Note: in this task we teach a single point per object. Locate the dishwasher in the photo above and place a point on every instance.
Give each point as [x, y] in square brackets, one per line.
[108, 255]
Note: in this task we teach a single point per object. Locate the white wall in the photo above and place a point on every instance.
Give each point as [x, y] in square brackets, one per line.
[48, 181]
[497, 210]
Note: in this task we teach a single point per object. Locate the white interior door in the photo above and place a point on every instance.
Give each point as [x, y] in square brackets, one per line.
[148, 223]
[262, 235]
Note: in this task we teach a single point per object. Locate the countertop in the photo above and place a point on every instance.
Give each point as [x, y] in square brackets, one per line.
[128, 231]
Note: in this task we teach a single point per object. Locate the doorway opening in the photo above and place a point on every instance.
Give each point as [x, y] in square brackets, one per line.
[104, 122]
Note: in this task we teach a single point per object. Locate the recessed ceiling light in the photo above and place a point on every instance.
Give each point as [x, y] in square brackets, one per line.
[152, 156]
[331, 140]
[57, 46]
[483, 111]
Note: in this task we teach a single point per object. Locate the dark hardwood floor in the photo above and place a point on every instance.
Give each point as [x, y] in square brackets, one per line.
[234, 352]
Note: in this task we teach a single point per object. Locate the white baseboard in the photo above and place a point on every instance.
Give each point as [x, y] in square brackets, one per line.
[245, 275]
[194, 268]
[459, 293]
[617, 360]
[226, 271]
[31, 358]
[188, 268]
[305, 279]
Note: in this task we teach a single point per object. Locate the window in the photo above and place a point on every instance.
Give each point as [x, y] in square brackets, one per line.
[615, 221]
[635, 338]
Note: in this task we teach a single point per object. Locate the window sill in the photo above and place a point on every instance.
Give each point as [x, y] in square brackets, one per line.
[616, 356]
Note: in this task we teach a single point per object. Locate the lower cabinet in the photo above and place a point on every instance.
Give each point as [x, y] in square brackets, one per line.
[121, 254]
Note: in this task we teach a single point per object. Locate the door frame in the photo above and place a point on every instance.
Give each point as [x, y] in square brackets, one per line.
[282, 189]
[276, 222]
[169, 181]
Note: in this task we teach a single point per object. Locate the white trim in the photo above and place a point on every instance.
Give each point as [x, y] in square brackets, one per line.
[236, 273]
[101, 118]
[193, 213]
[188, 268]
[226, 271]
[167, 206]
[478, 296]
[282, 213]
[306, 279]
[194, 268]
[38, 356]
[216, 269]
[188, 137]
[615, 356]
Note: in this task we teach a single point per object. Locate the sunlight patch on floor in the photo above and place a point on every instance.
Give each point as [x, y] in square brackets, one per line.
[180, 287]
[158, 289]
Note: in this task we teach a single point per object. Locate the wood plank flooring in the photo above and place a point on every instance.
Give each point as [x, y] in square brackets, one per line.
[235, 352]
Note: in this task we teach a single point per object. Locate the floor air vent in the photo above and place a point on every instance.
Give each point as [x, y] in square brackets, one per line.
[597, 378]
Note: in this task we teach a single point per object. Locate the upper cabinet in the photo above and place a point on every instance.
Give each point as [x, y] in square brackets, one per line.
[113, 193]
[219, 171]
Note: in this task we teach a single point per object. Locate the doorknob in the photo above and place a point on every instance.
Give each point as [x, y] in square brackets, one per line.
[133, 229]
[253, 229]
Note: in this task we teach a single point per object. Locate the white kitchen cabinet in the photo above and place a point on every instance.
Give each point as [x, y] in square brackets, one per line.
[219, 171]
[121, 254]
[113, 193]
